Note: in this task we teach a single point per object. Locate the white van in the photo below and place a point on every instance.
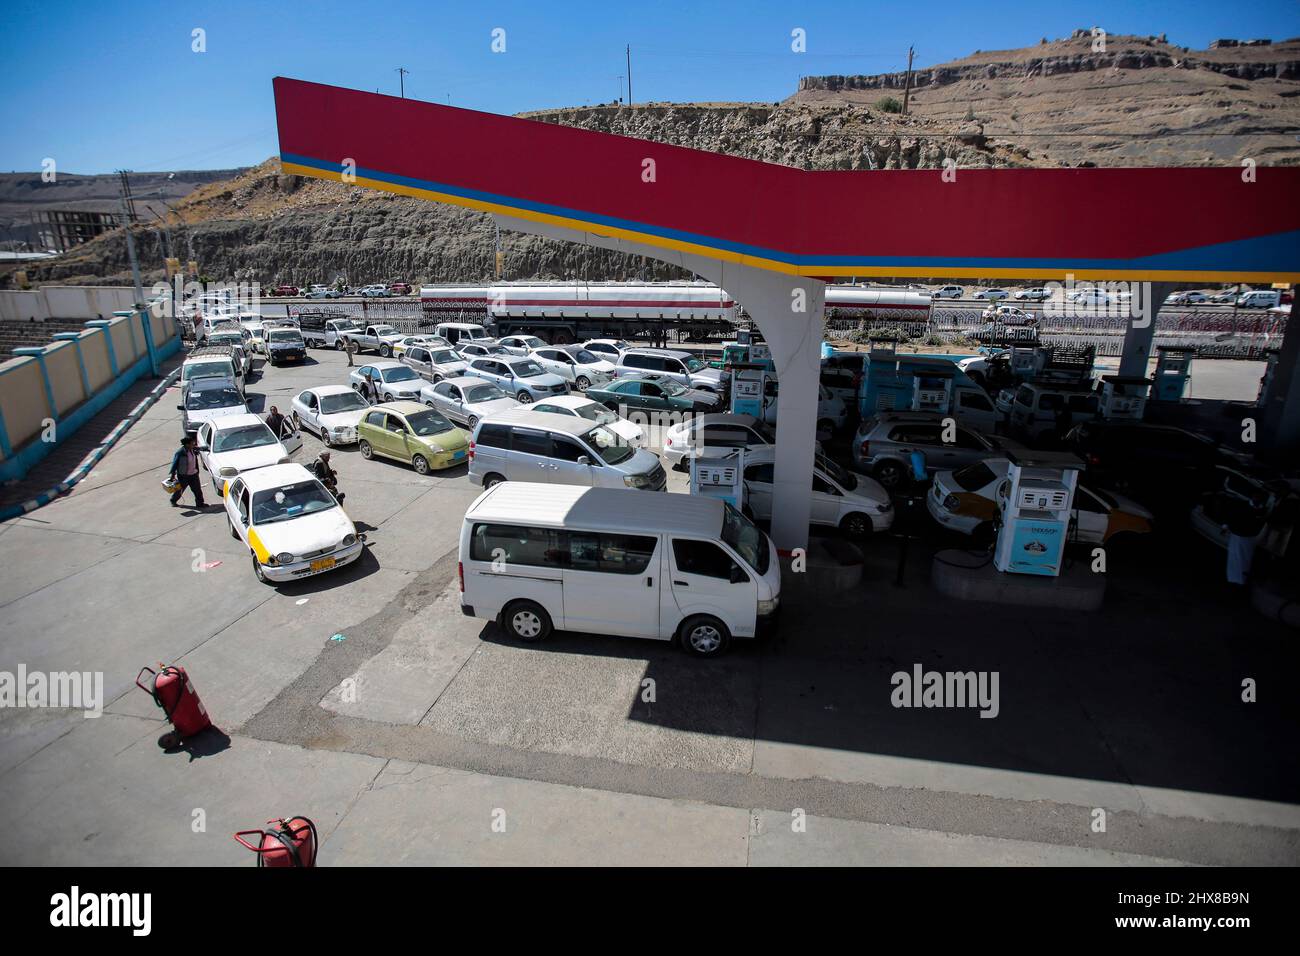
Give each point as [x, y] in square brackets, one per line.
[535, 557]
[462, 333]
[1259, 299]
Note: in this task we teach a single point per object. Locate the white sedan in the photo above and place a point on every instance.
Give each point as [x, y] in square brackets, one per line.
[992, 294]
[855, 504]
[593, 411]
[331, 411]
[465, 399]
[386, 381]
[293, 527]
[521, 344]
[238, 443]
[608, 349]
[575, 364]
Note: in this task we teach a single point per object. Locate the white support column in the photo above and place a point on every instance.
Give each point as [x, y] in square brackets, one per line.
[789, 310]
[1141, 331]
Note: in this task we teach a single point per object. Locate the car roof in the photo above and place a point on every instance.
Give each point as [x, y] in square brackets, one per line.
[329, 389]
[385, 363]
[401, 408]
[525, 416]
[667, 353]
[465, 381]
[236, 421]
[272, 476]
[597, 509]
[568, 401]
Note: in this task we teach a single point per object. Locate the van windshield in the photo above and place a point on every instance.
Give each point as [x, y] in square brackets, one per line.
[739, 534]
[611, 449]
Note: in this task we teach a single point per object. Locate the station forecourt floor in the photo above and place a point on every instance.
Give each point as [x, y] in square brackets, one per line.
[1135, 709]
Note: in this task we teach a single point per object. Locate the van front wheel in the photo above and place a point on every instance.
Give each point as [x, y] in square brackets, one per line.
[704, 636]
[526, 621]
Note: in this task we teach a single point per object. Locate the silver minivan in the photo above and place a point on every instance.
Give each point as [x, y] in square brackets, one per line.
[524, 445]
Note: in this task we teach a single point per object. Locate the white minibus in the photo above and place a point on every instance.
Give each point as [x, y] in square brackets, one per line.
[536, 557]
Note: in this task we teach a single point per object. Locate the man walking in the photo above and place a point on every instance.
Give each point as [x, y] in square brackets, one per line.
[275, 422]
[351, 348]
[185, 469]
[327, 476]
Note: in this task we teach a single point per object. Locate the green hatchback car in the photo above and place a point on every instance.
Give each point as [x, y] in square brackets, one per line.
[410, 432]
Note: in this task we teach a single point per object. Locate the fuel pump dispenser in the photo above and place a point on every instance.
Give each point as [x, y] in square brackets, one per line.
[932, 392]
[1036, 501]
[1173, 369]
[1123, 397]
[750, 375]
[718, 471]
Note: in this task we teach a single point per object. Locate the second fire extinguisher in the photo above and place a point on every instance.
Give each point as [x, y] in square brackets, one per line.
[171, 690]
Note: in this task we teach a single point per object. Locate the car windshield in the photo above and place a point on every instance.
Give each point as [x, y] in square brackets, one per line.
[496, 350]
[483, 393]
[836, 473]
[200, 398]
[532, 342]
[583, 357]
[428, 423]
[243, 436]
[739, 534]
[526, 369]
[402, 373]
[693, 364]
[973, 477]
[670, 387]
[611, 449]
[348, 401]
[445, 355]
[207, 370]
[291, 501]
[227, 338]
[285, 335]
[596, 413]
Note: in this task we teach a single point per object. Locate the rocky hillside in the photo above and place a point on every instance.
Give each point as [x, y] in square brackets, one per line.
[1134, 101]
[275, 228]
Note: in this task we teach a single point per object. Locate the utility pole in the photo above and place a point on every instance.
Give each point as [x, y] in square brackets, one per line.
[629, 74]
[907, 87]
[401, 79]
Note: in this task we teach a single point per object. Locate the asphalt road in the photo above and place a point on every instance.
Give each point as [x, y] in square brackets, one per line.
[367, 701]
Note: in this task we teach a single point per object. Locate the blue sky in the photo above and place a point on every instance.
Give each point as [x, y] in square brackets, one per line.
[102, 85]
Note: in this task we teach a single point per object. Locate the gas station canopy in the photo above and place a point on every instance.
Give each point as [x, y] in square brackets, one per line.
[1155, 224]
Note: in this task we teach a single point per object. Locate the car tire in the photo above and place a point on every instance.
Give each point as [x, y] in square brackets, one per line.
[233, 533]
[366, 451]
[420, 464]
[429, 405]
[889, 473]
[703, 636]
[491, 481]
[582, 383]
[386, 350]
[472, 422]
[523, 398]
[857, 526]
[526, 621]
[339, 345]
[258, 572]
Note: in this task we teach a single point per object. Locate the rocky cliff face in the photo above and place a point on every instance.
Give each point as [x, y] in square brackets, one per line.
[1112, 100]
[273, 228]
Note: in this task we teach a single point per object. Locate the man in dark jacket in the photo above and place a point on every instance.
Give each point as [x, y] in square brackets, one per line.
[185, 469]
[327, 476]
[275, 422]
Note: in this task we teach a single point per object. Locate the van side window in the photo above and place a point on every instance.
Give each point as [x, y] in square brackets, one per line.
[703, 557]
[610, 553]
[566, 449]
[494, 436]
[518, 545]
[531, 443]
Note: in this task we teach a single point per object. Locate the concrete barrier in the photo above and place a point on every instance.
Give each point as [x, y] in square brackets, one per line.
[65, 302]
[48, 392]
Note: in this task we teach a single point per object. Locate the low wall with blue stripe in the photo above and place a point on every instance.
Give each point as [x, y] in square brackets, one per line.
[47, 393]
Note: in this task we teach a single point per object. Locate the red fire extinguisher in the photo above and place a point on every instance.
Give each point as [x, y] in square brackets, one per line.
[289, 842]
[171, 690]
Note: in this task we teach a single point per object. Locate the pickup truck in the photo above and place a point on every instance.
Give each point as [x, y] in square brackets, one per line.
[324, 330]
[375, 338]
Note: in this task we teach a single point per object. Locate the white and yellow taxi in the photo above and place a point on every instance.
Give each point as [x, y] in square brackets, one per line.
[292, 525]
